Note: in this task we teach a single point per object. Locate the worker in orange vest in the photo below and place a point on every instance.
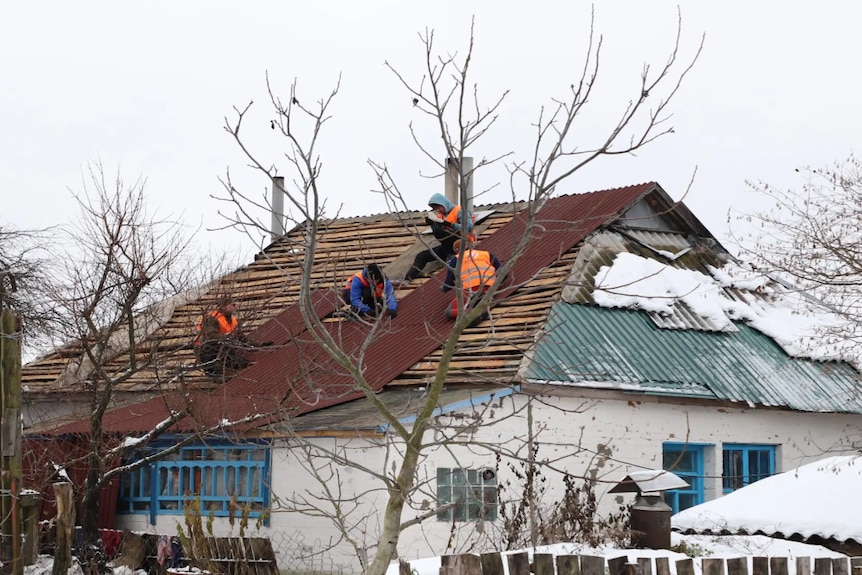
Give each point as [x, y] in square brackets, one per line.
[219, 342]
[478, 274]
[369, 293]
[445, 222]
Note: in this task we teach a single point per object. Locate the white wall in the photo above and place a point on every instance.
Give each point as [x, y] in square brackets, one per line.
[601, 437]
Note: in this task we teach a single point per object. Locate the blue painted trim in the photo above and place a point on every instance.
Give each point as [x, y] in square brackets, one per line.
[449, 408]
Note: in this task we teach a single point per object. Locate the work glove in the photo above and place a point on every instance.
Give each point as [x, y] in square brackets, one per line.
[434, 216]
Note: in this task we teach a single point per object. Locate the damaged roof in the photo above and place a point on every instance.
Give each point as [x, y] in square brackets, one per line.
[296, 376]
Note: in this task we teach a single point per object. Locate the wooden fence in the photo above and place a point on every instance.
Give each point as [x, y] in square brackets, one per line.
[547, 564]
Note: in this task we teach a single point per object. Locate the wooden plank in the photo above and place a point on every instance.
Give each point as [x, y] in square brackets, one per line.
[803, 566]
[712, 566]
[645, 565]
[569, 565]
[492, 564]
[760, 566]
[662, 566]
[685, 567]
[778, 566]
[616, 565]
[593, 565]
[737, 566]
[466, 564]
[543, 564]
[840, 566]
[822, 566]
[519, 563]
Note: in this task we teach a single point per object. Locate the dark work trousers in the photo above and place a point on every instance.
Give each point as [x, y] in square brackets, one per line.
[442, 252]
[218, 357]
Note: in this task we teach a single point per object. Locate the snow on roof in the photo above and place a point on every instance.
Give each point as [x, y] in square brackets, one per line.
[817, 499]
[796, 323]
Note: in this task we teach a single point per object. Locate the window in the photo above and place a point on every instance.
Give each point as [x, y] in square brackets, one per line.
[473, 491]
[745, 464]
[686, 461]
[226, 477]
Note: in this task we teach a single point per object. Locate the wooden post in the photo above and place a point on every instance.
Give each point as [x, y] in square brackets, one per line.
[616, 565]
[30, 513]
[10, 435]
[803, 566]
[839, 566]
[65, 527]
[645, 565]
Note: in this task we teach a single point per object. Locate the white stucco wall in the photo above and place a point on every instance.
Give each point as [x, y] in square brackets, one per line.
[600, 437]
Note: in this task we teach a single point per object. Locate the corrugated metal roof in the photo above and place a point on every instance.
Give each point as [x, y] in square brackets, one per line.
[297, 376]
[598, 347]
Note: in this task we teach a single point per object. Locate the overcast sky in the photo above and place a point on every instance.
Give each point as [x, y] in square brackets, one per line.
[146, 87]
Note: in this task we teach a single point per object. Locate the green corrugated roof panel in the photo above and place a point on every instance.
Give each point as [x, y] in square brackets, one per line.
[623, 349]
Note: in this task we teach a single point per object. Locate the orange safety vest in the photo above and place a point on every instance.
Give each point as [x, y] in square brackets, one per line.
[452, 218]
[225, 326]
[477, 270]
[378, 289]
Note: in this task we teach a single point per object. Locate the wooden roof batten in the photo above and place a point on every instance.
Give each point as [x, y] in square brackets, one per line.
[284, 373]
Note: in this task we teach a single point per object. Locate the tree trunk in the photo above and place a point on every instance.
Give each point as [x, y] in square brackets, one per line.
[91, 555]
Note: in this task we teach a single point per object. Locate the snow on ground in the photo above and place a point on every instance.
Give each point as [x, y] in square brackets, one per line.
[706, 546]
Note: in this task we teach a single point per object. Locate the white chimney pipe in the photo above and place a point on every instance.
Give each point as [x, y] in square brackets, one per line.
[277, 225]
[453, 180]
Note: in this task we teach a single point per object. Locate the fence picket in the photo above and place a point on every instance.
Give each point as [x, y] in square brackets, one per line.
[685, 567]
[492, 564]
[568, 565]
[543, 564]
[592, 565]
[711, 566]
[739, 566]
[519, 564]
[822, 566]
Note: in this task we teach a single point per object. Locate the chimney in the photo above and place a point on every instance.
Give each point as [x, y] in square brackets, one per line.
[456, 179]
[277, 225]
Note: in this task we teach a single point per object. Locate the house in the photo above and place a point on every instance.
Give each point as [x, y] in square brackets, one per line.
[575, 369]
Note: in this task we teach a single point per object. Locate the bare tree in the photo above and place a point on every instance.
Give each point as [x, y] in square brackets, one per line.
[120, 266]
[811, 236]
[26, 272]
[448, 100]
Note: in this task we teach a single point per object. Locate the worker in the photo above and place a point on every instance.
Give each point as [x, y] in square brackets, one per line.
[478, 274]
[219, 343]
[369, 293]
[445, 221]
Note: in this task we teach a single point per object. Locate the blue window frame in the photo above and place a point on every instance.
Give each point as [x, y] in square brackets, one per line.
[226, 477]
[473, 491]
[686, 461]
[744, 464]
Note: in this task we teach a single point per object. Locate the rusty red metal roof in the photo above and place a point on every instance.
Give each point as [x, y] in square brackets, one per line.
[297, 375]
